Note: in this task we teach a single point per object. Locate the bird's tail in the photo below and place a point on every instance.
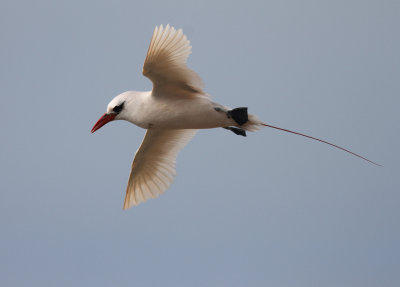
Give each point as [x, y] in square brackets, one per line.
[245, 121]
[325, 142]
[251, 123]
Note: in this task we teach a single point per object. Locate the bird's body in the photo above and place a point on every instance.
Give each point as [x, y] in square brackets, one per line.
[171, 112]
[163, 111]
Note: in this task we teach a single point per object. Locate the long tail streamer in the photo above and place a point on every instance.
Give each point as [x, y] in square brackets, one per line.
[300, 134]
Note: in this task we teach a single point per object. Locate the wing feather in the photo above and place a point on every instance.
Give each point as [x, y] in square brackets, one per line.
[166, 58]
[153, 168]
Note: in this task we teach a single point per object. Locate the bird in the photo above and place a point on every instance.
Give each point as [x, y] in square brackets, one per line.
[172, 112]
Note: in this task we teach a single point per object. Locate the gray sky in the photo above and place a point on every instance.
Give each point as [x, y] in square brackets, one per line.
[272, 209]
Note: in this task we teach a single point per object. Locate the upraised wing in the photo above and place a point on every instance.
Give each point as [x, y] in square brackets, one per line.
[153, 167]
[166, 58]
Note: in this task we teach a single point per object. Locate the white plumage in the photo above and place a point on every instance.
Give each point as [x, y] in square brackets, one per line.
[165, 63]
[172, 113]
[153, 168]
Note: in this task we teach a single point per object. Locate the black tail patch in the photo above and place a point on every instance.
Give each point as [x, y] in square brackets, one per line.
[239, 115]
[237, 131]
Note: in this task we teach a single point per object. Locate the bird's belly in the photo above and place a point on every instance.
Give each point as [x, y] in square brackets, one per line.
[188, 114]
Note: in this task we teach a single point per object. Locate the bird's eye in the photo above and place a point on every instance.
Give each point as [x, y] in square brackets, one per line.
[118, 109]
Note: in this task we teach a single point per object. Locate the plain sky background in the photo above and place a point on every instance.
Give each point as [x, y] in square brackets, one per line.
[272, 209]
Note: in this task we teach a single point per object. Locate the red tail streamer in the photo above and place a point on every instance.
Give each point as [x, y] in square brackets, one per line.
[300, 134]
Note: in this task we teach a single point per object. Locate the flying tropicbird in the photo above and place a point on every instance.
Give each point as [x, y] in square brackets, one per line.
[172, 113]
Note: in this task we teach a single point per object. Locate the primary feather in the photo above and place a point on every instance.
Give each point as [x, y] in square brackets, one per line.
[166, 58]
[153, 167]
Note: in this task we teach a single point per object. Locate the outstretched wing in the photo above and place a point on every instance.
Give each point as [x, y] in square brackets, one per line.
[165, 63]
[153, 167]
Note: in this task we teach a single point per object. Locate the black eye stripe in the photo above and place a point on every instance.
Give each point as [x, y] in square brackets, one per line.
[118, 109]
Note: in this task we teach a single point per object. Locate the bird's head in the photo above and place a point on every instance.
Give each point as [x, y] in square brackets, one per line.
[116, 110]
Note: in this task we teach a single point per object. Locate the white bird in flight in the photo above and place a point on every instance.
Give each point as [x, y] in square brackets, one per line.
[172, 112]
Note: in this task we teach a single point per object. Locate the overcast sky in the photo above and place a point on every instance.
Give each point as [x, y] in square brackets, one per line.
[272, 209]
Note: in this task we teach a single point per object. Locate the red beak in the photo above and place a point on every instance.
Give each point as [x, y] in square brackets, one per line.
[103, 120]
